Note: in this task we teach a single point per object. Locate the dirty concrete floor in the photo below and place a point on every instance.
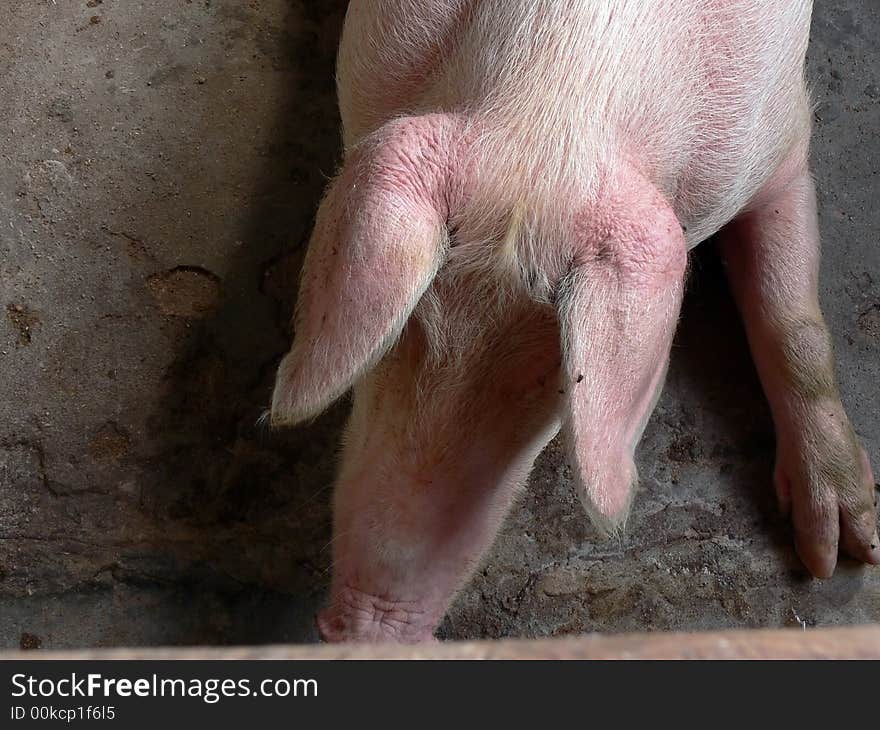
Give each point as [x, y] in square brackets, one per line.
[161, 162]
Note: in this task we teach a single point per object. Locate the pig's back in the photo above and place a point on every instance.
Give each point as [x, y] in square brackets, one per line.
[706, 97]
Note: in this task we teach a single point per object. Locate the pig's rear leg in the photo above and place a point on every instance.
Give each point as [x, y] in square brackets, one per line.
[822, 473]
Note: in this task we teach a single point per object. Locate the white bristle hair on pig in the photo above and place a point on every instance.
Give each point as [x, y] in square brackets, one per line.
[502, 255]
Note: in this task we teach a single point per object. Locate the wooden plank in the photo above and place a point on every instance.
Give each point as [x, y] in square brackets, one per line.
[827, 643]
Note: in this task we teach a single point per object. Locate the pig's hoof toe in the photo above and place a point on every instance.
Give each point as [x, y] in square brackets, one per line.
[357, 616]
[828, 489]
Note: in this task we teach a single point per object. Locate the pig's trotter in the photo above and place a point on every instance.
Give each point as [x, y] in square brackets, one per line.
[823, 478]
[618, 308]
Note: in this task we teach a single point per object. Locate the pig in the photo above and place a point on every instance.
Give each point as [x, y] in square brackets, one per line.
[502, 256]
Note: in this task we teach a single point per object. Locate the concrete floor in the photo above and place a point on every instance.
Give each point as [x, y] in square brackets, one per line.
[161, 163]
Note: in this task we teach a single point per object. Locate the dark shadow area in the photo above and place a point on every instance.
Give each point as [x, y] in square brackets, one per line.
[252, 506]
[711, 353]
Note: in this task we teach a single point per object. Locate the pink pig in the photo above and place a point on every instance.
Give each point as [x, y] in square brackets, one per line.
[503, 254]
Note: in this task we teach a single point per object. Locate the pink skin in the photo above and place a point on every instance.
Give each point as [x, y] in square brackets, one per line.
[422, 290]
[404, 78]
[419, 500]
[389, 204]
[618, 320]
